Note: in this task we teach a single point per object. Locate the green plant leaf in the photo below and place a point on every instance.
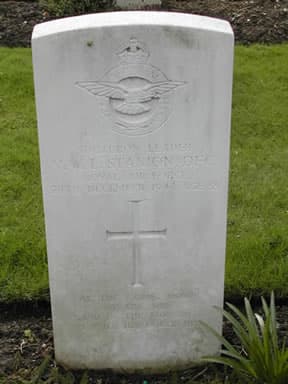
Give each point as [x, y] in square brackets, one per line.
[219, 337]
[264, 361]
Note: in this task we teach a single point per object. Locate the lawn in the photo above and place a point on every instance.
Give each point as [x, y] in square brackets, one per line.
[257, 243]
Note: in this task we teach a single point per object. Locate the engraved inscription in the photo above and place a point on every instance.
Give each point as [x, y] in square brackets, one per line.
[110, 187]
[136, 95]
[148, 168]
[136, 235]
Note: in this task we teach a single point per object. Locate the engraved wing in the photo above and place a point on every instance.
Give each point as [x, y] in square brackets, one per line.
[157, 89]
[134, 100]
[104, 88]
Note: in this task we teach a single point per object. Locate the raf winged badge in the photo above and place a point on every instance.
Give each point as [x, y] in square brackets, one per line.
[137, 95]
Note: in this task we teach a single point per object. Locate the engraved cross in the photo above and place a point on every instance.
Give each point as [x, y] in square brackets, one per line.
[136, 235]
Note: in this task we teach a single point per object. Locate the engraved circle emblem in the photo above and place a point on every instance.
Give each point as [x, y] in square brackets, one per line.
[135, 95]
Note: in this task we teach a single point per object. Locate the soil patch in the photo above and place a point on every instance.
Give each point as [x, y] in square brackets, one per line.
[262, 21]
[25, 342]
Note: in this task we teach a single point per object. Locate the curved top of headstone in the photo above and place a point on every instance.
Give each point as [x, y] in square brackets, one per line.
[131, 18]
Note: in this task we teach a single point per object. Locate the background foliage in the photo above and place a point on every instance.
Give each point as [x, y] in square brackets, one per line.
[74, 7]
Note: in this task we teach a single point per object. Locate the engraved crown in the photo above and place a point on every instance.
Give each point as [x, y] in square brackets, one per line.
[135, 52]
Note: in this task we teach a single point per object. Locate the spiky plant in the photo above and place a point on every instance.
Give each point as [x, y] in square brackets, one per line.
[261, 359]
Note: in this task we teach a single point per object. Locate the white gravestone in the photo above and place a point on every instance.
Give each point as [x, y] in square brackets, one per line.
[136, 3]
[134, 119]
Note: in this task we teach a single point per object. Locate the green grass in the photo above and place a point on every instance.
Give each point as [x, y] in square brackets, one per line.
[23, 264]
[257, 245]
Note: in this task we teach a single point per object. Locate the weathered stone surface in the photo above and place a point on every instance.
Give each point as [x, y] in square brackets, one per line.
[134, 121]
